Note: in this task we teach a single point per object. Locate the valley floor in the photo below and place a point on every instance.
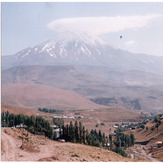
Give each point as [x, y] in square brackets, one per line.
[139, 152]
[39, 148]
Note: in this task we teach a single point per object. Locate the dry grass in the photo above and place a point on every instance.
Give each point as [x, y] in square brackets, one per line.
[53, 151]
[37, 95]
[159, 155]
[145, 135]
[153, 137]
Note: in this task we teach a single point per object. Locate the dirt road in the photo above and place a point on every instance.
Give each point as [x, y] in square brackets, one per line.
[8, 147]
[42, 149]
[138, 151]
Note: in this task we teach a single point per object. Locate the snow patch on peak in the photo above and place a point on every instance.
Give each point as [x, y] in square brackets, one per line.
[98, 52]
[63, 39]
[26, 54]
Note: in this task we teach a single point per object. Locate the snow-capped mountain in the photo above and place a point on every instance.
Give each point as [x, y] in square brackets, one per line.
[82, 49]
[71, 48]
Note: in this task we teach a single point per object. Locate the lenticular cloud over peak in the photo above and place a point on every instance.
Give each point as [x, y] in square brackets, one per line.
[101, 25]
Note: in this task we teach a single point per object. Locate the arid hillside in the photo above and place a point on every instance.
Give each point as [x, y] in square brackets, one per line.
[133, 90]
[37, 95]
[147, 136]
[21, 110]
[149, 139]
[39, 148]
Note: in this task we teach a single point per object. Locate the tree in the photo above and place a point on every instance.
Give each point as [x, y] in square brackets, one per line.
[123, 144]
[11, 118]
[128, 140]
[156, 118]
[76, 131]
[132, 139]
[158, 124]
[32, 120]
[84, 135]
[80, 132]
[58, 121]
[87, 135]
[7, 119]
[103, 139]
[142, 126]
[120, 151]
[71, 132]
[66, 136]
[147, 128]
[49, 133]
[100, 136]
[110, 139]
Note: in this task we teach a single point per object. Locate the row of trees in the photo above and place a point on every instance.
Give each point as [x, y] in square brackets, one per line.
[34, 124]
[122, 142]
[156, 120]
[77, 133]
[45, 110]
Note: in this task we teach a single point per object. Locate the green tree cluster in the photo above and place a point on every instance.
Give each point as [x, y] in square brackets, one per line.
[52, 111]
[157, 120]
[123, 141]
[76, 133]
[34, 124]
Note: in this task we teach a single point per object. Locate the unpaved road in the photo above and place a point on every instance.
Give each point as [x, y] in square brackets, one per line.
[138, 151]
[148, 156]
[43, 149]
[9, 145]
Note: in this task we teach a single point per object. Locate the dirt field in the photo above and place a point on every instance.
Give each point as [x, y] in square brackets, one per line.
[39, 148]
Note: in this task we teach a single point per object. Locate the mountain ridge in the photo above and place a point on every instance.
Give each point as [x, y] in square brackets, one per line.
[81, 49]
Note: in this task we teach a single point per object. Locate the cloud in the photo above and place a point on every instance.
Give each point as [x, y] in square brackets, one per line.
[101, 25]
[130, 42]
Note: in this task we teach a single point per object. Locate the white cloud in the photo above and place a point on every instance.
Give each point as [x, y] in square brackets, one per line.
[101, 25]
[130, 42]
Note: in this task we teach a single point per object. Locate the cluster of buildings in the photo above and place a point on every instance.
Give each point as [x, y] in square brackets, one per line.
[68, 117]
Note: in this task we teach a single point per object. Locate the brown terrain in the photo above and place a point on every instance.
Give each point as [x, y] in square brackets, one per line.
[108, 116]
[37, 95]
[22, 110]
[133, 90]
[147, 141]
[39, 148]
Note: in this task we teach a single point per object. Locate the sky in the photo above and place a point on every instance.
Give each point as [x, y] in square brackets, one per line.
[132, 26]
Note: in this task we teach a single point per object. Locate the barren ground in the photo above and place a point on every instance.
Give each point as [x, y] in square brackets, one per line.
[150, 151]
[39, 148]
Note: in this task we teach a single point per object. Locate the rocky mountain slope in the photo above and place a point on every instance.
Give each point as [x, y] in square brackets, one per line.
[139, 92]
[83, 49]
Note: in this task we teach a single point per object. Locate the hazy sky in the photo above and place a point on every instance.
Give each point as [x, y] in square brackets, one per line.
[140, 24]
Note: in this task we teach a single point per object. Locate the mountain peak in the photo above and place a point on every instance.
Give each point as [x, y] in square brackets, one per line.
[65, 48]
[65, 38]
[78, 48]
